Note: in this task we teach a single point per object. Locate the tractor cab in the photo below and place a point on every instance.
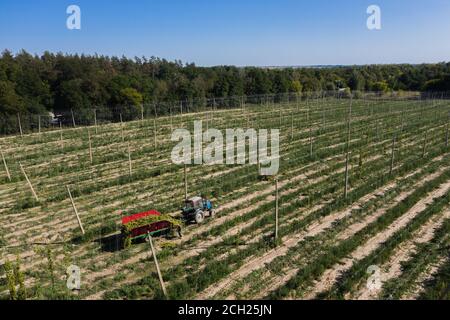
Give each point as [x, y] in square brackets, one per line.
[195, 209]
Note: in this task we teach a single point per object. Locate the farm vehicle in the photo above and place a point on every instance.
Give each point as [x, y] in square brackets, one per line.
[195, 209]
[153, 223]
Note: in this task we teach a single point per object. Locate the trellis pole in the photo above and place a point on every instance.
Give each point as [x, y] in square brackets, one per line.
[292, 125]
[378, 131]
[90, 146]
[276, 209]
[280, 115]
[424, 144]
[61, 135]
[95, 121]
[121, 127]
[310, 140]
[39, 124]
[129, 161]
[73, 118]
[20, 125]
[75, 210]
[6, 166]
[347, 157]
[307, 109]
[447, 134]
[392, 155]
[171, 120]
[402, 122]
[29, 182]
[154, 133]
[161, 281]
[185, 183]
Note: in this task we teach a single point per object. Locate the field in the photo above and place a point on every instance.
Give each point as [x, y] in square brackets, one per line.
[395, 215]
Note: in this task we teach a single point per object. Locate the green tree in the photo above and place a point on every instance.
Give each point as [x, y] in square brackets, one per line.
[380, 86]
[10, 101]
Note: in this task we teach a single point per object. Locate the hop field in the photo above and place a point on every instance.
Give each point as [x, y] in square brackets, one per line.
[363, 182]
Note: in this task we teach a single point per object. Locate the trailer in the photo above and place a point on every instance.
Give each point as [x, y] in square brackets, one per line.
[140, 225]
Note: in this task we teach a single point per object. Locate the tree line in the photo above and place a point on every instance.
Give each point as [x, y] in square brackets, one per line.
[32, 84]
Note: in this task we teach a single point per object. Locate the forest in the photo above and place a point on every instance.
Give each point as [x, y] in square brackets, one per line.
[32, 84]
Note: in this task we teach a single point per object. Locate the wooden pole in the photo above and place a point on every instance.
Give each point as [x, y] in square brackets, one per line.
[121, 127]
[185, 183]
[310, 140]
[90, 146]
[29, 182]
[307, 111]
[75, 210]
[292, 125]
[39, 124]
[20, 125]
[424, 144]
[73, 119]
[276, 209]
[95, 121]
[61, 134]
[171, 120]
[6, 166]
[392, 155]
[402, 122]
[323, 117]
[280, 115]
[161, 281]
[347, 157]
[129, 160]
[378, 131]
[154, 133]
[447, 134]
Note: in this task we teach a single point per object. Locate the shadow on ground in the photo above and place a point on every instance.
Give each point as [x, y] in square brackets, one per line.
[111, 243]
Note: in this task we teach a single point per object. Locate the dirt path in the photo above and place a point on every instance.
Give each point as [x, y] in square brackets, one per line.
[393, 267]
[287, 274]
[313, 229]
[329, 278]
[424, 277]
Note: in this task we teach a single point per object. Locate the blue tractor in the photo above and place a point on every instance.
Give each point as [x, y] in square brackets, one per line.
[196, 208]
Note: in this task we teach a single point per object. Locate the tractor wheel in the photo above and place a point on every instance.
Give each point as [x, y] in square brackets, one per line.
[199, 216]
[212, 213]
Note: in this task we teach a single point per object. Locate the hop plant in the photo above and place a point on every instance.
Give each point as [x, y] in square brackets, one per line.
[10, 278]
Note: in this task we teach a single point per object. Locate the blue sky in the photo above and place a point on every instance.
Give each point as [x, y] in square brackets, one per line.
[234, 32]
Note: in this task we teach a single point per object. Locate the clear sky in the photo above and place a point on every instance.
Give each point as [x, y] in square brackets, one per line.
[234, 32]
